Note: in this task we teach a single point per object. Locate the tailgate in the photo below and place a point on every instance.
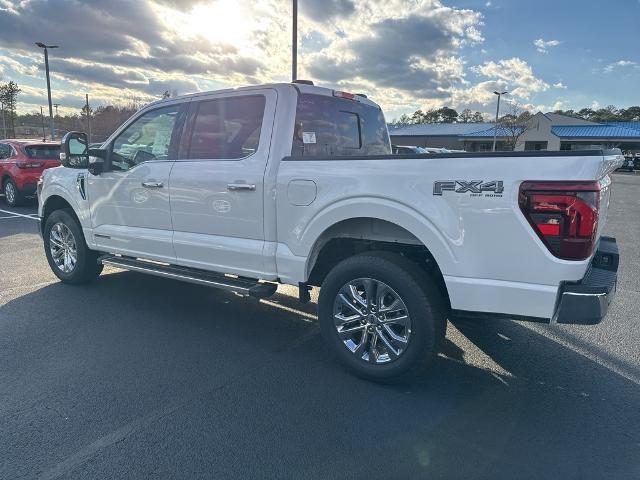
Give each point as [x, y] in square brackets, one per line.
[612, 159]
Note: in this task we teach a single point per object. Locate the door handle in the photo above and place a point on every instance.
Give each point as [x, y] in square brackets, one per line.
[234, 187]
[152, 184]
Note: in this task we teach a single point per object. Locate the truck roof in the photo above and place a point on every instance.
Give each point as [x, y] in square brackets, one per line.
[300, 87]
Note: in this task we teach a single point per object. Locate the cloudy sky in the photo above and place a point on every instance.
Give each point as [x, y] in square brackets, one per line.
[405, 54]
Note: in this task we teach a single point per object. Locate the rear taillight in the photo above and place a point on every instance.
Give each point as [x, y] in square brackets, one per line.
[564, 215]
[29, 164]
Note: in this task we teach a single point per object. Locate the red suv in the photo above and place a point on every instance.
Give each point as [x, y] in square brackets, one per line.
[21, 164]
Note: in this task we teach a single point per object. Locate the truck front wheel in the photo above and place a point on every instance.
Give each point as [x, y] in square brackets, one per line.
[66, 250]
[381, 316]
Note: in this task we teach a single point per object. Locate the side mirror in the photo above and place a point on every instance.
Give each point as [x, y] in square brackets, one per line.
[75, 150]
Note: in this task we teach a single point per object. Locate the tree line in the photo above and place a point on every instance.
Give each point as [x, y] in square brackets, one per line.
[103, 120]
[100, 122]
[610, 113]
[440, 115]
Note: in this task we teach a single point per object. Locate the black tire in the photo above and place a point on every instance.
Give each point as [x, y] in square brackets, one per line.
[13, 197]
[424, 304]
[86, 267]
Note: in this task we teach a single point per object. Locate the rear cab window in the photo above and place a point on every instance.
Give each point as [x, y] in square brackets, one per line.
[333, 126]
[43, 152]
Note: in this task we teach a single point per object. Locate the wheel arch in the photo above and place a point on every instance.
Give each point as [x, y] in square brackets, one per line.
[355, 235]
[52, 203]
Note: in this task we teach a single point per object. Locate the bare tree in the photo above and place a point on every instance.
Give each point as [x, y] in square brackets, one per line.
[9, 99]
[514, 125]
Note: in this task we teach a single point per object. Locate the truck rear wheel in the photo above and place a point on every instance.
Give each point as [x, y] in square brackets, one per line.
[67, 252]
[381, 316]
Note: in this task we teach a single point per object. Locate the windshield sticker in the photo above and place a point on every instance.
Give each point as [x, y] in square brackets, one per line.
[308, 137]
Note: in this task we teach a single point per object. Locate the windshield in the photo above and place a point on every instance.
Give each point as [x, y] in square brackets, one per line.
[43, 152]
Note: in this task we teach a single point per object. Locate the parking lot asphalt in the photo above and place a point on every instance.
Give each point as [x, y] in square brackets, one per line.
[141, 377]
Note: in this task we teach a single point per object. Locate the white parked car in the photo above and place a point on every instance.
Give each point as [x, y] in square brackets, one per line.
[246, 188]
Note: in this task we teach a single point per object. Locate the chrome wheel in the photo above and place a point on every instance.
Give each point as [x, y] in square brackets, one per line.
[372, 320]
[62, 245]
[10, 192]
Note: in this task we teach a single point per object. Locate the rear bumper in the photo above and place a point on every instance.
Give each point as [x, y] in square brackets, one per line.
[28, 188]
[26, 182]
[587, 301]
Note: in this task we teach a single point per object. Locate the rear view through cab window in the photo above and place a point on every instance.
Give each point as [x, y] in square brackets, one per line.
[332, 126]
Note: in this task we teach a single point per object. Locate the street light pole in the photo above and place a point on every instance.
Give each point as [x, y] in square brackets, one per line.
[88, 116]
[4, 124]
[44, 133]
[495, 126]
[294, 43]
[46, 66]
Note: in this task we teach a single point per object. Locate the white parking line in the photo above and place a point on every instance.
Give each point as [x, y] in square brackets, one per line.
[21, 214]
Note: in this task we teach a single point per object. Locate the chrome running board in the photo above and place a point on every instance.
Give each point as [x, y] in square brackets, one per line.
[239, 285]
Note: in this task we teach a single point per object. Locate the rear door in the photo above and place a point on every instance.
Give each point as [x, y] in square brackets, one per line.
[129, 203]
[217, 191]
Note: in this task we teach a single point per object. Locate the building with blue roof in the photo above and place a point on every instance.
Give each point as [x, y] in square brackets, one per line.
[544, 131]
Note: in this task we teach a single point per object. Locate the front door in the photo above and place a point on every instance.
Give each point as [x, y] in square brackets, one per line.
[130, 209]
[217, 191]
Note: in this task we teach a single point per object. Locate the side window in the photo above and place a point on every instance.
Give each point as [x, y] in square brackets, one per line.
[5, 151]
[227, 128]
[151, 137]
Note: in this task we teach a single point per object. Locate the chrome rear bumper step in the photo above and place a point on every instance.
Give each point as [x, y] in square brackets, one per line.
[239, 285]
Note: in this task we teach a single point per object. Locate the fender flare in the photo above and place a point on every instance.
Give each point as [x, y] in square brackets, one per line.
[378, 208]
[57, 190]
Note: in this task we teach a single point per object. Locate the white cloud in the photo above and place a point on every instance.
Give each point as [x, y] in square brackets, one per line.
[411, 47]
[543, 45]
[559, 105]
[404, 54]
[621, 64]
[560, 85]
[513, 73]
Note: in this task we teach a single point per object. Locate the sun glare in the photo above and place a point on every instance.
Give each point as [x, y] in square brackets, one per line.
[223, 21]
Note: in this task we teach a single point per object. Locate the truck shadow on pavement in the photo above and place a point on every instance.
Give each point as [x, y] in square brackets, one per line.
[252, 392]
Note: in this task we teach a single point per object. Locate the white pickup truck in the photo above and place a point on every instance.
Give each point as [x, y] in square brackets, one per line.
[246, 188]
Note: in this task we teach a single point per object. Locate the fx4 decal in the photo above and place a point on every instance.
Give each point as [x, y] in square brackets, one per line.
[476, 188]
